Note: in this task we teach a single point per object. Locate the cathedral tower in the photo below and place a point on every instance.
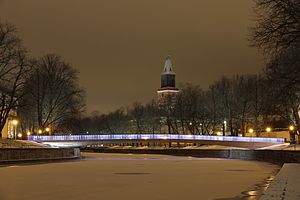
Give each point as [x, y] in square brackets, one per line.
[168, 91]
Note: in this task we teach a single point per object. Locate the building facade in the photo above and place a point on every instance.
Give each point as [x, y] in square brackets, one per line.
[10, 128]
[167, 92]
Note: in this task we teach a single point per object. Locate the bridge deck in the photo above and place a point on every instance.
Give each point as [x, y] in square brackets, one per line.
[151, 136]
[82, 140]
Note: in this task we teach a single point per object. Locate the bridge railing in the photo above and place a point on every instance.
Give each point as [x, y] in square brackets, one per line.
[151, 137]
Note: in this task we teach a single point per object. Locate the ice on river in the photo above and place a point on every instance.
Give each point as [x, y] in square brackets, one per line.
[132, 177]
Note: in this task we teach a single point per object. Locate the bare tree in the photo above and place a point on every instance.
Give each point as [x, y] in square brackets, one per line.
[211, 104]
[14, 66]
[190, 108]
[277, 32]
[151, 117]
[261, 101]
[277, 25]
[53, 93]
[225, 105]
[137, 116]
[167, 113]
[239, 100]
[284, 72]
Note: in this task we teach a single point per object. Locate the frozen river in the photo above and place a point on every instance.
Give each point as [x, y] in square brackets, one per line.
[133, 177]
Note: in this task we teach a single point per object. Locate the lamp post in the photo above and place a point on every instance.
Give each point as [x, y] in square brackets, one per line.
[20, 135]
[191, 128]
[292, 135]
[224, 128]
[268, 129]
[251, 131]
[201, 126]
[15, 123]
[47, 130]
[28, 134]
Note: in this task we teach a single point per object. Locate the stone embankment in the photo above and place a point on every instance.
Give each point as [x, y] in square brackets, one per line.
[12, 151]
[11, 155]
[273, 156]
[9, 143]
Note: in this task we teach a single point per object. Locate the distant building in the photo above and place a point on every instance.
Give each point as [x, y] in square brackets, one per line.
[9, 128]
[167, 91]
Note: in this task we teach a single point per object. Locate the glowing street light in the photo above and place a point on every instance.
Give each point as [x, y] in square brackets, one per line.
[47, 129]
[40, 131]
[28, 133]
[224, 127]
[201, 126]
[15, 123]
[219, 133]
[292, 135]
[250, 130]
[268, 129]
[20, 135]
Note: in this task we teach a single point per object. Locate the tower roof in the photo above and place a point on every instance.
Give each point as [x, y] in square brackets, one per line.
[168, 68]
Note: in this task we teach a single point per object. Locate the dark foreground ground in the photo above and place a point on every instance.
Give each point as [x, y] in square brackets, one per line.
[133, 177]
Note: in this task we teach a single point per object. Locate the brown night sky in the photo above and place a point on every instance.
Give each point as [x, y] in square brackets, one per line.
[119, 46]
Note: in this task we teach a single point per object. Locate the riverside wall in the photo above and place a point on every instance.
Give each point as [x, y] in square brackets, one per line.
[273, 156]
[10, 155]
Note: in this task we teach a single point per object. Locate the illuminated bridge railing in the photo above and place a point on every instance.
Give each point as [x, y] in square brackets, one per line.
[42, 138]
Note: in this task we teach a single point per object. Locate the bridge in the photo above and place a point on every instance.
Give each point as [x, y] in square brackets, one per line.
[167, 140]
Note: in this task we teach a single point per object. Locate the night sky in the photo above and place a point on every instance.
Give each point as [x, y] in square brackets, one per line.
[119, 46]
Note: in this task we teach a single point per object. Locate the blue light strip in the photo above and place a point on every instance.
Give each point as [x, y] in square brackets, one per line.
[151, 137]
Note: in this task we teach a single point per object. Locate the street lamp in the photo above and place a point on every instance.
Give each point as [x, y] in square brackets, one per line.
[47, 130]
[28, 133]
[40, 131]
[19, 135]
[201, 126]
[224, 128]
[292, 135]
[250, 130]
[268, 129]
[191, 128]
[15, 123]
[219, 133]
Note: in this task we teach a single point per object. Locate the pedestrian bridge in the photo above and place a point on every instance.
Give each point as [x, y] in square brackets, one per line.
[154, 139]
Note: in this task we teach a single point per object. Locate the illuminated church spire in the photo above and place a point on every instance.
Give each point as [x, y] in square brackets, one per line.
[168, 75]
[167, 91]
[168, 68]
